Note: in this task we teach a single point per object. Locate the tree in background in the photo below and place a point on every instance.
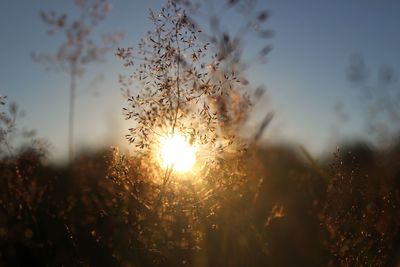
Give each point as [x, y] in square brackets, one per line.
[79, 48]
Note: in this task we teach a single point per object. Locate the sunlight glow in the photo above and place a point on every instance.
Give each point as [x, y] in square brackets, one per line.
[175, 151]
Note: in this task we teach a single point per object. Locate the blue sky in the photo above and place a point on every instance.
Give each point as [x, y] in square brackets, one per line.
[305, 73]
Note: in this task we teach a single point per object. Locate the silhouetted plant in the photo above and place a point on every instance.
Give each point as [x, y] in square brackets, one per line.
[12, 138]
[79, 48]
[7, 127]
[189, 81]
[192, 83]
[179, 85]
[380, 99]
[22, 192]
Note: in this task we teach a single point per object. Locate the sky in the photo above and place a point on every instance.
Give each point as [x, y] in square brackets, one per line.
[305, 75]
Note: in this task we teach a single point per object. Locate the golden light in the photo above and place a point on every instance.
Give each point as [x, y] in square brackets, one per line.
[176, 152]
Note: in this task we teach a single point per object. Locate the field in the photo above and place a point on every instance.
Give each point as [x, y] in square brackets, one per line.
[198, 181]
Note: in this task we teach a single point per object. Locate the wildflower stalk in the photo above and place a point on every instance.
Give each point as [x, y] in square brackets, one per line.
[78, 48]
[72, 93]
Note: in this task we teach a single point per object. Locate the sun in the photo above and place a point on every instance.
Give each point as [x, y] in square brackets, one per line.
[176, 152]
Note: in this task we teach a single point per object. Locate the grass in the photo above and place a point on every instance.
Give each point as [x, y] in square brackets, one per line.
[277, 205]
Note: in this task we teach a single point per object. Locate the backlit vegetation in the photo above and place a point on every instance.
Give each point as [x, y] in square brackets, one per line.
[193, 191]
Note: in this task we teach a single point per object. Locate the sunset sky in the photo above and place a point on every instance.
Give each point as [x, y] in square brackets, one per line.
[305, 75]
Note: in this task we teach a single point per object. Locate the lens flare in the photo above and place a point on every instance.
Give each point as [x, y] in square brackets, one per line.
[176, 152]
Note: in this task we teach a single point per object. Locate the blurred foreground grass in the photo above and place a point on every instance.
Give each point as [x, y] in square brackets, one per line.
[289, 211]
